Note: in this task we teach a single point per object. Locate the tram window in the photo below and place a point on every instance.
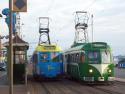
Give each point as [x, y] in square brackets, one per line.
[77, 57]
[72, 60]
[69, 58]
[44, 57]
[105, 57]
[73, 57]
[82, 57]
[56, 57]
[93, 55]
[60, 58]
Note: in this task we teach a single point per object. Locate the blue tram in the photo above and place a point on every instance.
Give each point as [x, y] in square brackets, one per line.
[47, 61]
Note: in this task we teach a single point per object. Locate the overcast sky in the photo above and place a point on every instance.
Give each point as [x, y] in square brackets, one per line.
[109, 21]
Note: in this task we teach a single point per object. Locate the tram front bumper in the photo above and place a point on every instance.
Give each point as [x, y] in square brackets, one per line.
[111, 78]
[100, 78]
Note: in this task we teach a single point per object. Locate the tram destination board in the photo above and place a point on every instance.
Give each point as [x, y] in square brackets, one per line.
[49, 47]
[103, 45]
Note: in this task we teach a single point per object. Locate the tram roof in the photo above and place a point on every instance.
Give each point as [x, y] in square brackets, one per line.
[88, 46]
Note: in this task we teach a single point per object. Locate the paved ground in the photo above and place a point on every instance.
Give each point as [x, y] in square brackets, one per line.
[63, 86]
[73, 87]
[4, 89]
[3, 78]
[18, 89]
[2, 73]
[120, 73]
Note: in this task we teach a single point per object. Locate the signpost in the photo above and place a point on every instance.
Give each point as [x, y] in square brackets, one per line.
[19, 6]
[10, 50]
[14, 6]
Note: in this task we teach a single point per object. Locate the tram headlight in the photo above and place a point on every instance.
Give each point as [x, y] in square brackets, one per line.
[90, 70]
[109, 71]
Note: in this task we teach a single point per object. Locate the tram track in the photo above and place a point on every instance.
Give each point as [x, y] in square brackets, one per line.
[35, 87]
[45, 88]
[105, 90]
[62, 89]
[65, 86]
[79, 88]
[119, 82]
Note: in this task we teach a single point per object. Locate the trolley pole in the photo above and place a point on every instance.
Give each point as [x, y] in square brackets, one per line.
[10, 50]
[92, 26]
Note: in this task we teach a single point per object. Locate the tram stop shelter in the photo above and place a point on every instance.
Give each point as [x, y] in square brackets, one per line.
[20, 48]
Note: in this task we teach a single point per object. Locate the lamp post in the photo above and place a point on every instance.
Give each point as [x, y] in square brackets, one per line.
[0, 42]
[10, 50]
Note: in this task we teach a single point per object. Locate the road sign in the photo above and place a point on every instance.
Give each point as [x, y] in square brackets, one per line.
[19, 6]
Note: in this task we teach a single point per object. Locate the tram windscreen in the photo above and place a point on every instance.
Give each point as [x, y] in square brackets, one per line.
[44, 57]
[56, 57]
[105, 57]
[93, 57]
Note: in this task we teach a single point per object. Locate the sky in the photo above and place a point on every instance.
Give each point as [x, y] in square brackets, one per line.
[109, 21]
